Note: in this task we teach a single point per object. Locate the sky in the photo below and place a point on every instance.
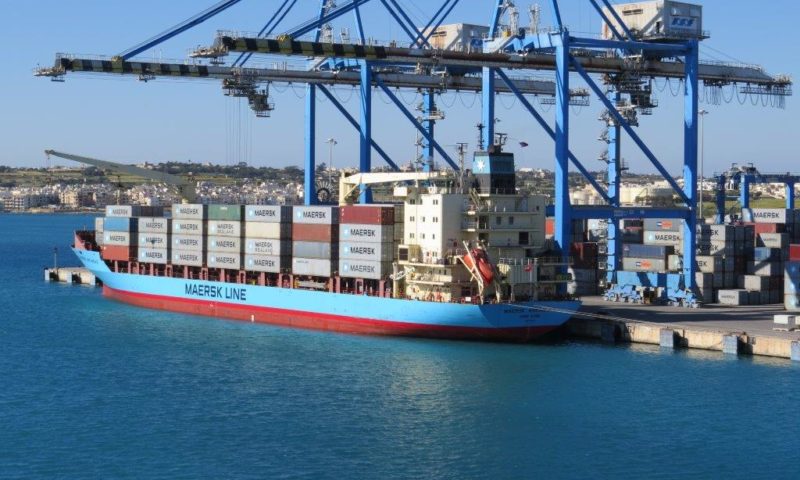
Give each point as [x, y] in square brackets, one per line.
[121, 119]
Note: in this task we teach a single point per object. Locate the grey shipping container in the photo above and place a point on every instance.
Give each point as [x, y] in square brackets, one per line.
[768, 215]
[189, 211]
[764, 269]
[364, 269]
[225, 228]
[321, 250]
[268, 230]
[644, 265]
[123, 210]
[188, 258]
[154, 255]
[268, 213]
[224, 244]
[224, 260]
[188, 227]
[771, 240]
[733, 297]
[267, 246]
[321, 215]
[154, 225]
[267, 263]
[366, 233]
[663, 224]
[194, 243]
[154, 240]
[312, 266]
[374, 252]
[123, 239]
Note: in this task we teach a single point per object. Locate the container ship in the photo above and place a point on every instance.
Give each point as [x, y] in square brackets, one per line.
[457, 256]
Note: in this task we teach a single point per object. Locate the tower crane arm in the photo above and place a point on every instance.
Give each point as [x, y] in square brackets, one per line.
[185, 186]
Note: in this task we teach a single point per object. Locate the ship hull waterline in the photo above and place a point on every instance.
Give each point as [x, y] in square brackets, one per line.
[320, 310]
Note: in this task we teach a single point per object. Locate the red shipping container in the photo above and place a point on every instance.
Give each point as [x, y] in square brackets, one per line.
[367, 214]
[117, 252]
[768, 227]
[308, 232]
[794, 252]
[550, 226]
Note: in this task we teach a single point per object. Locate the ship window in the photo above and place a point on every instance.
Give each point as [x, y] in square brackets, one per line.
[436, 201]
[511, 220]
[403, 254]
[523, 238]
[412, 201]
[411, 218]
[435, 219]
[422, 236]
[411, 235]
[423, 219]
[433, 236]
[498, 220]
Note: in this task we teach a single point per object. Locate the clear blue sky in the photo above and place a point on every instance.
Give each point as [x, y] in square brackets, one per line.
[123, 119]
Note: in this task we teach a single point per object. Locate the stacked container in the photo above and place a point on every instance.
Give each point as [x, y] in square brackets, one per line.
[315, 235]
[267, 238]
[791, 280]
[154, 240]
[188, 239]
[224, 237]
[367, 241]
[119, 237]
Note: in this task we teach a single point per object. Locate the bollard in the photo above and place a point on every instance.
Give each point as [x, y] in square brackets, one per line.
[666, 338]
[730, 344]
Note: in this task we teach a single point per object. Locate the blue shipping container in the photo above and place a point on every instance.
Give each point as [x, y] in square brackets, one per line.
[660, 252]
[120, 224]
[766, 254]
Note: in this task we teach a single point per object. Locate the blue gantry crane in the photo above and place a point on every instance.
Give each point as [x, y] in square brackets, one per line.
[741, 177]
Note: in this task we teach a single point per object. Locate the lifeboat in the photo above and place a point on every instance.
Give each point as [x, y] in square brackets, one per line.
[484, 266]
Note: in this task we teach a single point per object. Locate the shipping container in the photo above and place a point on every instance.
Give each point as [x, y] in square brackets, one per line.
[759, 228]
[311, 266]
[794, 253]
[190, 211]
[123, 210]
[373, 252]
[633, 235]
[364, 269]
[644, 265]
[315, 250]
[224, 228]
[268, 247]
[710, 263]
[772, 240]
[194, 243]
[315, 233]
[231, 213]
[268, 213]
[716, 232]
[188, 227]
[765, 269]
[756, 283]
[267, 263]
[704, 280]
[663, 224]
[268, 230]
[662, 238]
[733, 297]
[154, 240]
[317, 215]
[232, 261]
[154, 225]
[791, 302]
[647, 251]
[367, 214]
[224, 244]
[120, 224]
[715, 248]
[189, 258]
[154, 255]
[118, 252]
[366, 233]
[120, 238]
[767, 215]
[766, 254]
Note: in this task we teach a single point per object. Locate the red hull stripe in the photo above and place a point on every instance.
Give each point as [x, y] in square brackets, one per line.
[321, 321]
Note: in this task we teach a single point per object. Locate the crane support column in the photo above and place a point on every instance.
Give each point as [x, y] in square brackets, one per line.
[428, 109]
[487, 107]
[365, 144]
[790, 195]
[614, 180]
[690, 109]
[563, 209]
[720, 199]
[744, 192]
[309, 185]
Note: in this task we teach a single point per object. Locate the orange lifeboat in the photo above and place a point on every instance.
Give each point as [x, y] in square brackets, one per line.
[484, 266]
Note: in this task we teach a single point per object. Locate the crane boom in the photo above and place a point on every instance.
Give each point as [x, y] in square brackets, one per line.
[185, 186]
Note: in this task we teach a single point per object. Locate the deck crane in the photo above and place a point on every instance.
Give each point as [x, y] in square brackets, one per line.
[186, 186]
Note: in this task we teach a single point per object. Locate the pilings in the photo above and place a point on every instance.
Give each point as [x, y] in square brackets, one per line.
[74, 275]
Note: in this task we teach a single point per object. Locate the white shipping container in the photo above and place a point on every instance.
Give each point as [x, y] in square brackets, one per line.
[193, 243]
[98, 224]
[124, 239]
[756, 283]
[767, 215]
[656, 20]
[662, 238]
[123, 210]
[364, 269]
[315, 250]
[226, 228]
[154, 240]
[733, 297]
[266, 263]
[320, 215]
[224, 244]
[154, 225]
[188, 227]
[374, 252]
[224, 260]
[268, 213]
[715, 247]
[189, 211]
[311, 266]
[710, 263]
[764, 269]
[267, 230]
[772, 240]
[188, 258]
[715, 232]
[154, 255]
[267, 246]
[366, 233]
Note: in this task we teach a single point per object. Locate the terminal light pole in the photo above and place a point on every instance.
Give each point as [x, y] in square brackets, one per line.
[331, 143]
[702, 114]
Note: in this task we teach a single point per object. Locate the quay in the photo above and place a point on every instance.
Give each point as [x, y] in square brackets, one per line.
[74, 275]
[736, 330]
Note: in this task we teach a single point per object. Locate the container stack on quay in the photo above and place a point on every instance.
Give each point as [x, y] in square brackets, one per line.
[367, 240]
[315, 240]
[268, 238]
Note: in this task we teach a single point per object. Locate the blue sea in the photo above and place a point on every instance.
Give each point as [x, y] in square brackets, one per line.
[90, 388]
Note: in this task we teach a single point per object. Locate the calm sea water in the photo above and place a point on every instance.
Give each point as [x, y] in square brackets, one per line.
[95, 389]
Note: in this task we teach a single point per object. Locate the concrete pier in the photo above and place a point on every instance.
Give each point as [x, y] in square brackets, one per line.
[74, 275]
[745, 330]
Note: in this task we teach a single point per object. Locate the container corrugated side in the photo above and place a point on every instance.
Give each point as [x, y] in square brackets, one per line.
[154, 255]
[768, 215]
[312, 266]
[267, 247]
[321, 250]
[188, 227]
[373, 252]
[663, 224]
[317, 215]
[224, 244]
[268, 213]
[154, 225]
[154, 240]
[232, 213]
[366, 233]
[268, 230]
[194, 243]
[315, 233]
[123, 210]
[120, 224]
[224, 260]
[364, 269]
[123, 239]
[117, 252]
[189, 258]
[225, 228]
[190, 211]
[267, 263]
[367, 214]
[644, 265]
[662, 237]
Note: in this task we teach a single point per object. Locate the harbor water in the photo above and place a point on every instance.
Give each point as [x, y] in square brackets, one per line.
[97, 389]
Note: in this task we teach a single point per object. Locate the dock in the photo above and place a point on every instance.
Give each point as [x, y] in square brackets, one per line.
[747, 330]
[73, 275]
